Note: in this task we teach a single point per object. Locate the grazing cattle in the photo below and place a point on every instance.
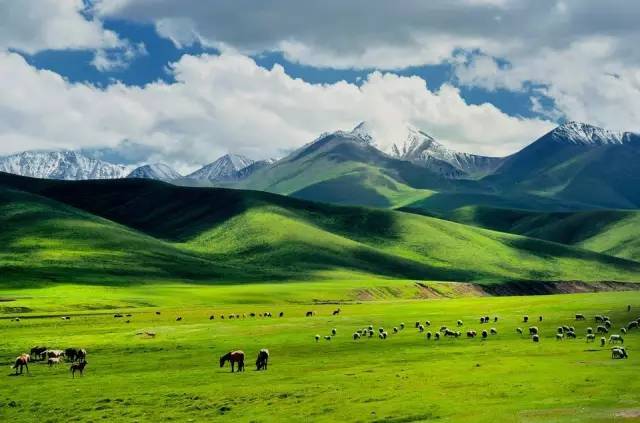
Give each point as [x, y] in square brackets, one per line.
[471, 334]
[566, 328]
[535, 338]
[212, 317]
[540, 318]
[589, 330]
[618, 353]
[22, 361]
[427, 322]
[632, 325]
[327, 338]
[599, 319]
[417, 324]
[616, 338]
[395, 329]
[459, 323]
[495, 319]
[221, 317]
[128, 315]
[484, 334]
[81, 354]
[559, 336]
[178, 319]
[428, 335]
[117, 315]
[602, 329]
[54, 353]
[66, 318]
[571, 334]
[233, 357]
[449, 332]
[53, 361]
[262, 360]
[157, 313]
[334, 331]
[603, 341]
[494, 331]
[443, 328]
[525, 319]
[281, 314]
[371, 332]
[579, 316]
[38, 353]
[71, 354]
[437, 336]
[519, 330]
[401, 326]
[629, 308]
[78, 367]
[482, 320]
[336, 312]
[421, 328]
[623, 331]
[356, 336]
[591, 337]
[560, 329]
[309, 314]
[317, 338]
[533, 330]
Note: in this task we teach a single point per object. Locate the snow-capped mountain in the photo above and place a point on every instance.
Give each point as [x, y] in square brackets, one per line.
[224, 169]
[422, 149]
[584, 134]
[158, 171]
[67, 165]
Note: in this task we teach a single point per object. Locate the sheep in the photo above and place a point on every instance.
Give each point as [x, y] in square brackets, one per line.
[317, 338]
[618, 353]
[540, 318]
[356, 336]
[632, 325]
[579, 316]
[608, 324]
[437, 336]
[495, 319]
[494, 331]
[559, 336]
[417, 324]
[178, 319]
[281, 314]
[560, 329]
[428, 335]
[484, 334]
[603, 341]
[616, 338]
[535, 338]
[380, 330]
[471, 334]
[519, 331]
[572, 329]
[327, 338]
[421, 328]
[157, 313]
[571, 334]
[566, 328]
[525, 319]
[459, 323]
[395, 329]
[602, 329]
[401, 326]
[443, 328]
[533, 330]
[591, 337]
[333, 332]
[598, 319]
[371, 334]
[623, 331]
[482, 320]
[427, 322]
[589, 330]
[383, 335]
[449, 332]
[212, 317]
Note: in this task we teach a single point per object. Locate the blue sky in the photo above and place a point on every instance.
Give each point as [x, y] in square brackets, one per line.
[185, 81]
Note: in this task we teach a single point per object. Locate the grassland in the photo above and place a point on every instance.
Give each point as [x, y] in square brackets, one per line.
[175, 376]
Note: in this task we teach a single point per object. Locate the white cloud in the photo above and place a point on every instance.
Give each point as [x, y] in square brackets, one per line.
[227, 103]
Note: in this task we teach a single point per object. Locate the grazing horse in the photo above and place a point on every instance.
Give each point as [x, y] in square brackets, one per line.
[335, 312]
[309, 313]
[38, 353]
[77, 367]
[263, 358]
[233, 357]
[22, 361]
[81, 354]
[71, 354]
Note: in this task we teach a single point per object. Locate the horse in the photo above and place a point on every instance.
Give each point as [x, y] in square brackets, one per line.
[71, 354]
[309, 313]
[335, 312]
[77, 367]
[22, 361]
[38, 353]
[262, 360]
[81, 354]
[233, 357]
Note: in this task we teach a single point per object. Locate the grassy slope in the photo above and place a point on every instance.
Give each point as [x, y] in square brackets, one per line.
[610, 232]
[274, 237]
[175, 376]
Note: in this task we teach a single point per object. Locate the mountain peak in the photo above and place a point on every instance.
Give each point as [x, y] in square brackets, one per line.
[579, 133]
[223, 169]
[158, 171]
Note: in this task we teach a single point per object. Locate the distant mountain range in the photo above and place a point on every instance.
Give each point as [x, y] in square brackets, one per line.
[575, 166]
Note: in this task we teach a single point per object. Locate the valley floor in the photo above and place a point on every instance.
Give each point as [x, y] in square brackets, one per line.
[176, 375]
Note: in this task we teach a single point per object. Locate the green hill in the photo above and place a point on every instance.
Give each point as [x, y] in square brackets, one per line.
[125, 227]
[612, 232]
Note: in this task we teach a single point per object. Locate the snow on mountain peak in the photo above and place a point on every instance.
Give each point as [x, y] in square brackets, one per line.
[584, 134]
[158, 171]
[224, 168]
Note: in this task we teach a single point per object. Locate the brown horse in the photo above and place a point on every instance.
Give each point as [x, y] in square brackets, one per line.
[77, 367]
[22, 361]
[263, 359]
[233, 357]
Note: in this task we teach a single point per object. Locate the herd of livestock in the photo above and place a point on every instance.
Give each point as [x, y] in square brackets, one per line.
[77, 357]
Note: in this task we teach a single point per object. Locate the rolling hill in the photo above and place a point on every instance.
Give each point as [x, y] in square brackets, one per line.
[133, 229]
[613, 232]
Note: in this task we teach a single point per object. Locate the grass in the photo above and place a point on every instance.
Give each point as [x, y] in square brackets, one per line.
[175, 376]
[134, 231]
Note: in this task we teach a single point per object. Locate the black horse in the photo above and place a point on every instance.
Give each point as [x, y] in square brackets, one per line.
[262, 360]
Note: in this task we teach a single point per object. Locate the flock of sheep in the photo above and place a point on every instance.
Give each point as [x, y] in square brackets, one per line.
[563, 332]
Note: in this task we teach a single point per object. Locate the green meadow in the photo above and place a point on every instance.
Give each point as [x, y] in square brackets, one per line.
[175, 376]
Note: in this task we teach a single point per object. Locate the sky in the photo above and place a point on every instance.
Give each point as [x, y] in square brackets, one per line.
[185, 81]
